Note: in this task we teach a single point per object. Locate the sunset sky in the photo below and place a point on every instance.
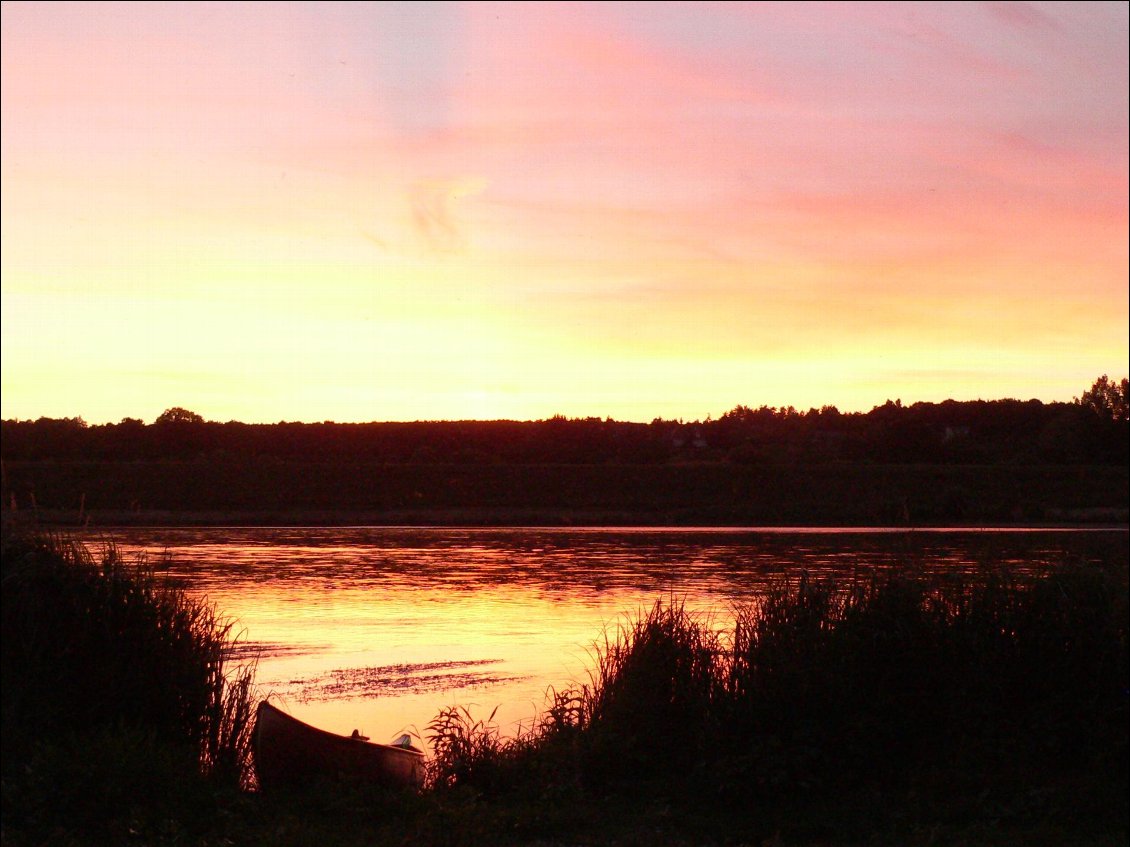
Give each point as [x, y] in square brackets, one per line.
[359, 212]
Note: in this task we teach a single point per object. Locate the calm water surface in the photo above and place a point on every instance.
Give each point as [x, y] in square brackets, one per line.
[379, 628]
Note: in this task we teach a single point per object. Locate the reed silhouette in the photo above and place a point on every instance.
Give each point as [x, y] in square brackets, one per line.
[119, 690]
[831, 686]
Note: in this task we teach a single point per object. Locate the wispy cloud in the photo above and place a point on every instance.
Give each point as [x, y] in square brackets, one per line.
[436, 212]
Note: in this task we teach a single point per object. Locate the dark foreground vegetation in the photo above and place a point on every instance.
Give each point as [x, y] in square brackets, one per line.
[120, 705]
[999, 462]
[889, 709]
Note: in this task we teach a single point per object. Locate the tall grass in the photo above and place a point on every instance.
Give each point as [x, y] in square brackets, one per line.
[97, 648]
[466, 750]
[833, 685]
[650, 709]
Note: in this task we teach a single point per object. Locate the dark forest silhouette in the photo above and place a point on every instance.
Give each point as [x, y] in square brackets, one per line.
[1091, 429]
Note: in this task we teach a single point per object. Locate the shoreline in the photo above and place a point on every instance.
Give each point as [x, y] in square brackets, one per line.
[1098, 520]
[225, 492]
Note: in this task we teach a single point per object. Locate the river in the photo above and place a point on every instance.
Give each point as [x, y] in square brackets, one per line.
[377, 629]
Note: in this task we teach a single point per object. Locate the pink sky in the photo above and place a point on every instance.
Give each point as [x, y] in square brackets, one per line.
[421, 211]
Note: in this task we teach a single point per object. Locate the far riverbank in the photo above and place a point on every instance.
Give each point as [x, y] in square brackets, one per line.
[224, 491]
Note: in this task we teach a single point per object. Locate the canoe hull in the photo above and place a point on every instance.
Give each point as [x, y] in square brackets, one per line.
[289, 752]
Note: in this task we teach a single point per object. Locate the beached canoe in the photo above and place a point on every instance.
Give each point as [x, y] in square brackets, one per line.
[290, 752]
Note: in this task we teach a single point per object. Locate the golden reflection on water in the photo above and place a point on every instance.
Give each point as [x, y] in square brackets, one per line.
[383, 659]
[378, 629]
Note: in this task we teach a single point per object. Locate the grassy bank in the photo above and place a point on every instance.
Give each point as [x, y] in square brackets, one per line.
[121, 708]
[230, 491]
[892, 709]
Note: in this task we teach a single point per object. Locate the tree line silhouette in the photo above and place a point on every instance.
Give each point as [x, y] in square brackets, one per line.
[1091, 429]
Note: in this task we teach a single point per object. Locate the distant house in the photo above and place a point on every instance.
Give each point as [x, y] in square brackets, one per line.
[955, 433]
[696, 439]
